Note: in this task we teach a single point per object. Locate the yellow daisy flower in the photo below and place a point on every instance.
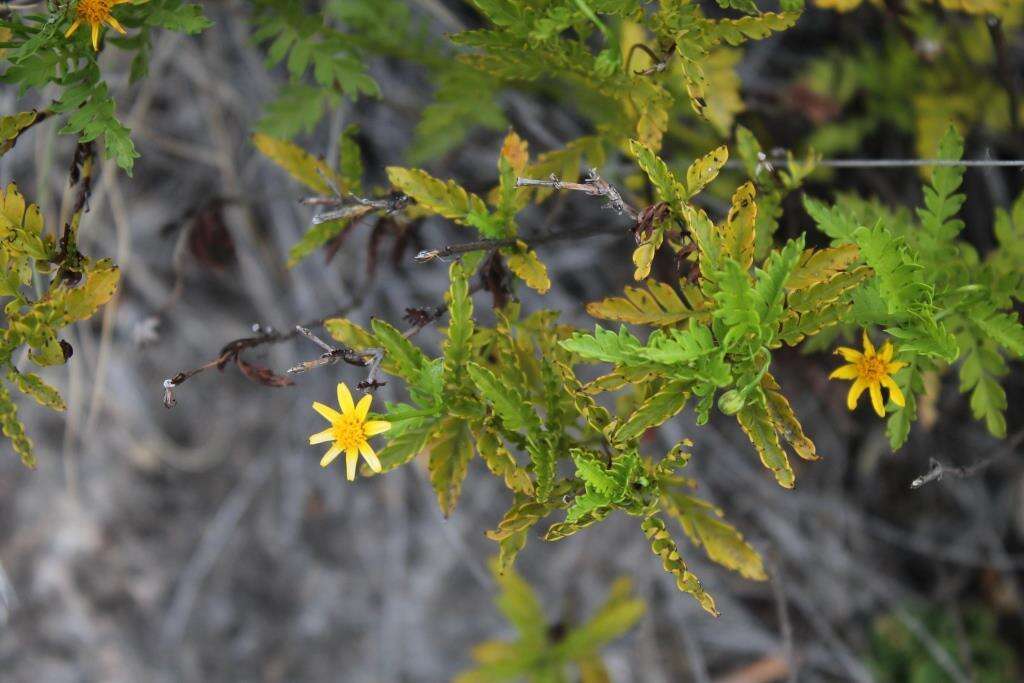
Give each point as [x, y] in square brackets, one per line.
[870, 370]
[350, 431]
[95, 13]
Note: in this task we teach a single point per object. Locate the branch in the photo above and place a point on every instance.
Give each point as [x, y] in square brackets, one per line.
[231, 352]
[371, 358]
[937, 470]
[593, 185]
[353, 207]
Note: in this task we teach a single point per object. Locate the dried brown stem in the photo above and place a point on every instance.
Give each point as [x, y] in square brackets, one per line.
[593, 185]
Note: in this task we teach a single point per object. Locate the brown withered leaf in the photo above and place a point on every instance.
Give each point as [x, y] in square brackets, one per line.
[261, 374]
[496, 279]
[649, 217]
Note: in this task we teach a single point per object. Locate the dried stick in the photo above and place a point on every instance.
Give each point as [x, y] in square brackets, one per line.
[938, 470]
[593, 185]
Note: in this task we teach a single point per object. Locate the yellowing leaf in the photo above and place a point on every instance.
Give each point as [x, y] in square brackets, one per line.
[450, 454]
[705, 169]
[98, 287]
[11, 126]
[757, 425]
[786, 423]
[530, 269]
[817, 265]
[738, 232]
[515, 151]
[663, 545]
[446, 199]
[658, 305]
[723, 543]
[300, 164]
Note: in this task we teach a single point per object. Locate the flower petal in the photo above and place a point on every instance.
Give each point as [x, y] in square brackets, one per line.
[322, 437]
[895, 395]
[885, 353]
[895, 366]
[345, 398]
[371, 458]
[96, 37]
[330, 455]
[363, 407]
[74, 27]
[869, 348]
[845, 372]
[855, 391]
[116, 25]
[328, 413]
[876, 399]
[849, 355]
[373, 427]
[351, 460]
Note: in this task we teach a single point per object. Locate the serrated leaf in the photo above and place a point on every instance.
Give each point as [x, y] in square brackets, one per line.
[756, 422]
[11, 127]
[738, 231]
[515, 412]
[299, 164]
[785, 421]
[665, 547]
[409, 361]
[33, 385]
[530, 270]
[13, 429]
[722, 542]
[705, 169]
[450, 453]
[818, 265]
[653, 412]
[446, 199]
[658, 305]
[664, 181]
[98, 286]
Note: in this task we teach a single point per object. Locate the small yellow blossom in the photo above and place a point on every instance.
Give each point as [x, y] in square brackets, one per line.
[95, 13]
[870, 370]
[350, 431]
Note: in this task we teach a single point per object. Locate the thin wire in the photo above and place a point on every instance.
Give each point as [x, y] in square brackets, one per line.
[894, 163]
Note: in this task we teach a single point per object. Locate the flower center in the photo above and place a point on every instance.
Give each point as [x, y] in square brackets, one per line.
[94, 11]
[871, 369]
[349, 432]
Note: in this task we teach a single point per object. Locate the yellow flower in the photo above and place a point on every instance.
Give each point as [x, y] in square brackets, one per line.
[870, 370]
[95, 13]
[349, 431]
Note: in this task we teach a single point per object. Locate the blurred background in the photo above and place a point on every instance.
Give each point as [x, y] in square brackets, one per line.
[205, 543]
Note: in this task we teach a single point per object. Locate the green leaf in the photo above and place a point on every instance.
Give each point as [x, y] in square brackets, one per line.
[653, 412]
[605, 346]
[409, 361]
[450, 454]
[620, 612]
[515, 412]
[666, 186]
[941, 201]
